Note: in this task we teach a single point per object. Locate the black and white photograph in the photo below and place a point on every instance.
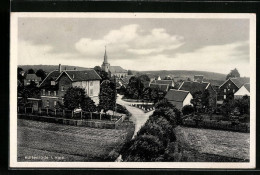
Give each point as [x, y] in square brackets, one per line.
[132, 90]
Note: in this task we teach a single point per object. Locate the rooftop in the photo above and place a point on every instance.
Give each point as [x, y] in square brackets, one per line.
[176, 95]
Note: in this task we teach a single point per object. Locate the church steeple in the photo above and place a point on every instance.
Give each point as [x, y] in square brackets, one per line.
[105, 66]
[105, 55]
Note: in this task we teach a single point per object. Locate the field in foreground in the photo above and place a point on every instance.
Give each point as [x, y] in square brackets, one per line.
[226, 145]
[39, 141]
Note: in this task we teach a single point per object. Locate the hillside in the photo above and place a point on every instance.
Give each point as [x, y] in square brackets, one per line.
[185, 73]
[49, 68]
[162, 73]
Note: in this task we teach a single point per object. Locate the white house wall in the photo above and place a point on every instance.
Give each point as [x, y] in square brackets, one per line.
[241, 92]
[187, 100]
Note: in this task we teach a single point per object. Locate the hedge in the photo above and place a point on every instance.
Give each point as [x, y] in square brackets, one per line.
[219, 125]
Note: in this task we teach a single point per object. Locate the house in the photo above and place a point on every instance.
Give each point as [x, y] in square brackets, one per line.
[194, 87]
[244, 90]
[179, 98]
[231, 86]
[114, 70]
[31, 77]
[54, 86]
[163, 85]
[198, 78]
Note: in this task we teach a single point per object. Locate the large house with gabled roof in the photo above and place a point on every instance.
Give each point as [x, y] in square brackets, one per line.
[57, 82]
[231, 86]
[193, 87]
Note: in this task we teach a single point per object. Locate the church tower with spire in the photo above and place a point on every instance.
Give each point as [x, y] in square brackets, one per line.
[105, 66]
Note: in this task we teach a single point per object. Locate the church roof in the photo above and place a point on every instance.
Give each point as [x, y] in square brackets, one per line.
[117, 69]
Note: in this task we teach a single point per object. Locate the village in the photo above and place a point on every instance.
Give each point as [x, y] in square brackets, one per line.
[162, 112]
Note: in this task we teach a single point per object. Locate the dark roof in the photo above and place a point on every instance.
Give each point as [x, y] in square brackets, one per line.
[117, 69]
[247, 86]
[163, 87]
[74, 75]
[176, 95]
[32, 77]
[52, 76]
[193, 87]
[239, 82]
[214, 82]
[168, 82]
[85, 75]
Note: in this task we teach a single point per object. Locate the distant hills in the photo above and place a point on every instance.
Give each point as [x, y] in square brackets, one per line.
[185, 73]
[162, 73]
[49, 68]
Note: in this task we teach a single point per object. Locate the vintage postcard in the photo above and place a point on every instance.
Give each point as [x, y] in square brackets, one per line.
[133, 90]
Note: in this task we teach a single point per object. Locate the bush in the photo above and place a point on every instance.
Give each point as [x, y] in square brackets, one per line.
[142, 148]
[187, 109]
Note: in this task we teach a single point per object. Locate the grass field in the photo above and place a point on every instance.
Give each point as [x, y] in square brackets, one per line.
[215, 142]
[39, 141]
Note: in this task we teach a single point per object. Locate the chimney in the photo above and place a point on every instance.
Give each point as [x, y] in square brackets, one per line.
[60, 68]
[75, 68]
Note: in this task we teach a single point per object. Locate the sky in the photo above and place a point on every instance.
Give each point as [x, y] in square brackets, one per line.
[215, 45]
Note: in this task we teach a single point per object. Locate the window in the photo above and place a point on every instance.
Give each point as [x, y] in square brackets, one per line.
[62, 88]
[233, 90]
[225, 90]
[43, 92]
[47, 103]
[52, 83]
[54, 93]
[91, 92]
[91, 83]
[55, 103]
[49, 93]
[225, 97]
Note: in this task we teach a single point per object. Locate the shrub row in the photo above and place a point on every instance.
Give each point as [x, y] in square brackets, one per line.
[220, 125]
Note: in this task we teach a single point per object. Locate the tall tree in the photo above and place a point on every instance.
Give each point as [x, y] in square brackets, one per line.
[129, 72]
[30, 71]
[107, 96]
[20, 77]
[74, 98]
[134, 88]
[104, 75]
[147, 94]
[233, 74]
[40, 73]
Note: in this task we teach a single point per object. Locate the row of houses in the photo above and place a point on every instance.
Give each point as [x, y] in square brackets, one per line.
[181, 96]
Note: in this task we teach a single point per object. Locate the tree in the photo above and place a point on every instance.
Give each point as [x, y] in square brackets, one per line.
[155, 95]
[40, 73]
[233, 74]
[243, 105]
[197, 101]
[144, 78]
[88, 105]
[30, 71]
[107, 96]
[129, 72]
[74, 98]
[187, 109]
[104, 75]
[147, 94]
[227, 107]
[20, 77]
[134, 88]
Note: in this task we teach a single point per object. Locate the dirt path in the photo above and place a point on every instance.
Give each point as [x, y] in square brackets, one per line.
[139, 117]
